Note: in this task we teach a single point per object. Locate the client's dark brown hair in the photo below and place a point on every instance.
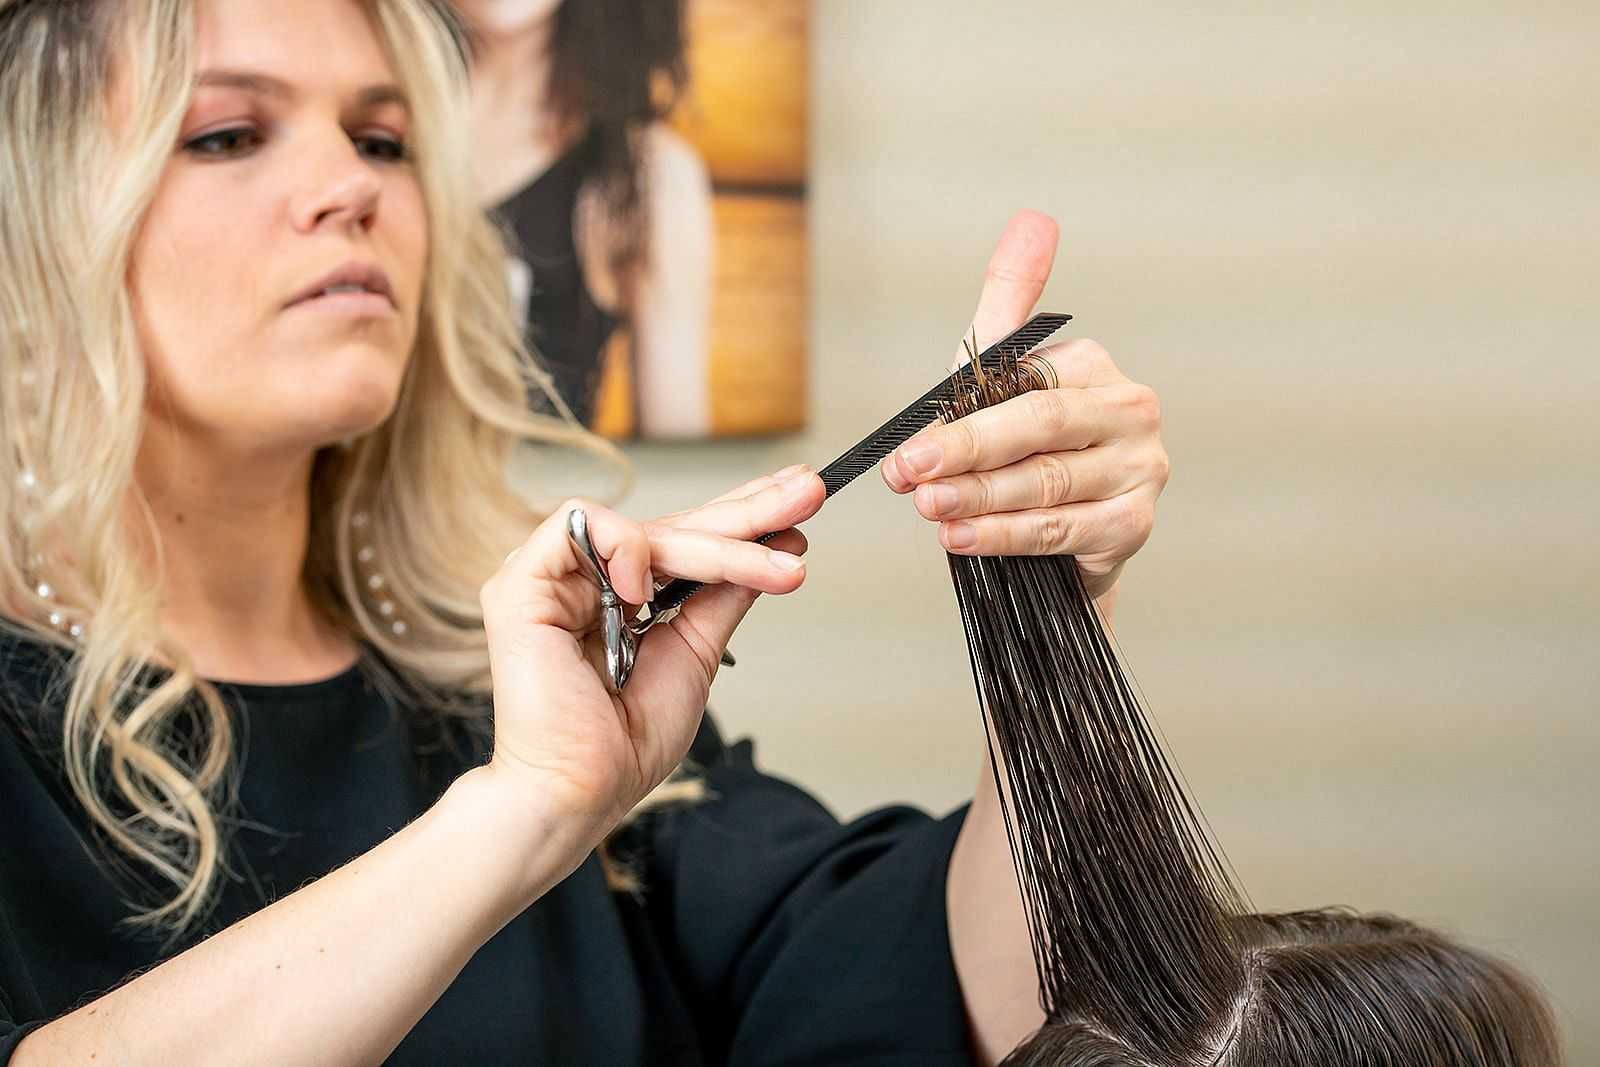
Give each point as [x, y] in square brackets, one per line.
[1147, 951]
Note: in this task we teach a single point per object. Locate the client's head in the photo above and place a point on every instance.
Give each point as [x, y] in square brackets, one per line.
[1332, 988]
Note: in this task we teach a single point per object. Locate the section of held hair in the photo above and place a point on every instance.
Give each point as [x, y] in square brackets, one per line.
[1123, 889]
[1146, 950]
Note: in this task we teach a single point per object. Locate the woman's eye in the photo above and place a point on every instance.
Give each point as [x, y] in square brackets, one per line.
[382, 148]
[224, 143]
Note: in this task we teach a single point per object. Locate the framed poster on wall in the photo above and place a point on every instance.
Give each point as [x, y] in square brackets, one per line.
[745, 115]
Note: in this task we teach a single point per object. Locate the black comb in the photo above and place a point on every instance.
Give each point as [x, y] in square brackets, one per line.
[891, 435]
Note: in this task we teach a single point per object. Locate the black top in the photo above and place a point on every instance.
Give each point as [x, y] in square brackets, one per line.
[768, 933]
[563, 325]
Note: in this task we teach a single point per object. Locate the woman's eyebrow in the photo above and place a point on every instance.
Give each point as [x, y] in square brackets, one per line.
[268, 85]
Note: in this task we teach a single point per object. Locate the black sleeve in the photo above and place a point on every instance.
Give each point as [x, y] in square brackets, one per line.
[11, 1035]
[20, 1009]
[801, 940]
[11, 1030]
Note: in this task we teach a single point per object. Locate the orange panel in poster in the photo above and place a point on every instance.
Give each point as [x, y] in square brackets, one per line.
[745, 117]
[653, 201]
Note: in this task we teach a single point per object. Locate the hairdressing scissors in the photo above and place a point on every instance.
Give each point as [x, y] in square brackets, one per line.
[622, 635]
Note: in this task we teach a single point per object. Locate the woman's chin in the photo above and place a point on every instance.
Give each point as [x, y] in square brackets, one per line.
[358, 420]
[336, 417]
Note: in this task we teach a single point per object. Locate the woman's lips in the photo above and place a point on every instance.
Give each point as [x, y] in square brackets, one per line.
[355, 279]
[357, 303]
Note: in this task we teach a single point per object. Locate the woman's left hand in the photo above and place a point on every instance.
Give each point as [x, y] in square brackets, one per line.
[1071, 470]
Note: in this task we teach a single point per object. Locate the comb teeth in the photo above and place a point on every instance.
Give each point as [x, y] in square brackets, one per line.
[925, 410]
[871, 450]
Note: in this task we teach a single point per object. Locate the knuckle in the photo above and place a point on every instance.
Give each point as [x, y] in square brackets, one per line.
[1160, 468]
[1049, 407]
[965, 440]
[489, 594]
[1053, 530]
[1131, 523]
[1090, 350]
[573, 503]
[1153, 406]
[635, 540]
[999, 272]
[1088, 359]
[746, 521]
[1052, 363]
[982, 494]
[1144, 523]
[1055, 480]
[1146, 406]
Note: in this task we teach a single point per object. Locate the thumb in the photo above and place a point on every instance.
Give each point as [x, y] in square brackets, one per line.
[1017, 272]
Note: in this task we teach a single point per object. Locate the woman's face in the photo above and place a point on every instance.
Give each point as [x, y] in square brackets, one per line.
[503, 17]
[277, 276]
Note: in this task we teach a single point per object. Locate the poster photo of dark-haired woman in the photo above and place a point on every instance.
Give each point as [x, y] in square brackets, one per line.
[646, 160]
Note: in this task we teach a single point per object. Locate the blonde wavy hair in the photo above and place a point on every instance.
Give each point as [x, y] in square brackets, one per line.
[432, 479]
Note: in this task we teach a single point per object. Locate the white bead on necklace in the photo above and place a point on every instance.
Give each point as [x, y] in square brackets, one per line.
[366, 555]
[28, 482]
[59, 618]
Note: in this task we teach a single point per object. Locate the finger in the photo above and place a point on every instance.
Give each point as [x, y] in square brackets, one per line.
[791, 541]
[544, 581]
[1045, 420]
[1015, 279]
[750, 488]
[1119, 526]
[704, 626]
[1081, 363]
[777, 505]
[625, 551]
[704, 557]
[1039, 481]
[755, 485]
[694, 638]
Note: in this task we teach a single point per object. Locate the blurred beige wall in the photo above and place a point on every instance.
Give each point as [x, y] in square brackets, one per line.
[1354, 247]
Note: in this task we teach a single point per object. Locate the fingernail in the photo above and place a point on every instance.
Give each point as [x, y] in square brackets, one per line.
[919, 457]
[960, 535]
[943, 498]
[789, 472]
[786, 562]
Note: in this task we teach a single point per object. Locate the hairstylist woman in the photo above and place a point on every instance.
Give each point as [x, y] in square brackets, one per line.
[297, 765]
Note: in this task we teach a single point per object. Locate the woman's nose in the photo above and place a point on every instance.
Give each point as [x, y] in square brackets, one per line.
[341, 189]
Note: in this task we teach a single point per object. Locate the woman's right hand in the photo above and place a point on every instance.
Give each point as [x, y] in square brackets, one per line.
[560, 737]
